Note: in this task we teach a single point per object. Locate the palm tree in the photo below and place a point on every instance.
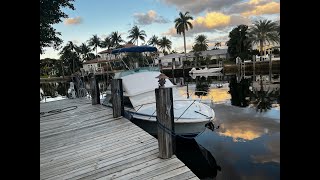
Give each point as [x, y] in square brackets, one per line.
[106, 43]
[202, 42]
[135, 34]
[115, 39]
[95, 42]
[217, 44]
[70, 57]
[182, 25]
[264, 31]
[84, 50]
[70, 46]
[153, 40]
[164, 44]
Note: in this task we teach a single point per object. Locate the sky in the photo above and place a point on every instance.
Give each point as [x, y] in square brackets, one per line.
[213, 18]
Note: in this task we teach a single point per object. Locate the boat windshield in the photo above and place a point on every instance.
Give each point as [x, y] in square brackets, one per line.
[137, 70]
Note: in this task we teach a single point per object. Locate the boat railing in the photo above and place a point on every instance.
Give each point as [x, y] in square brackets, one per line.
[153, 102]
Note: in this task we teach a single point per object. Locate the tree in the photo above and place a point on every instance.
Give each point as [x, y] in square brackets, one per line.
[50, 13]
[84, 50]
[70, 46]
[264, 31]
[239, 44]
[135, 34]
[201, 42]
[115, 39]
[70, 58]
[106, 43]
[182, 25]
[95, 42]
[217, 45]
[164, 44]
[153, 40]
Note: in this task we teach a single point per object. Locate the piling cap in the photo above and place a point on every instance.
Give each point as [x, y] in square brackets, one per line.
[162, 76]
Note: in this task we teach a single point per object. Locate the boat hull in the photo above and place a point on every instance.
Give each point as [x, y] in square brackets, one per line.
[182, 129]
[201, 71]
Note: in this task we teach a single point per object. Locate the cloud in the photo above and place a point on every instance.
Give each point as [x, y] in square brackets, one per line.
[75, 41]
[269, 8]
[272, 145]
[248, 6]
[223, 39]
[198, 6]
[211, 22]
[181, 48]
[73, 21]
[149, 18]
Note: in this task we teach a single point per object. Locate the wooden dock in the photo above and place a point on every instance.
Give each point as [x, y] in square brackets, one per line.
[88, 143]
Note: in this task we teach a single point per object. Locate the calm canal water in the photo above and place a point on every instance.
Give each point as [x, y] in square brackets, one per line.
[246, 143]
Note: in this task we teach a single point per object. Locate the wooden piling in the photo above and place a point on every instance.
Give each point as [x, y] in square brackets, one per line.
[270, 68]
[173, 66]
[95, 93]
[165, 117]
[254, 67]
[117, 97]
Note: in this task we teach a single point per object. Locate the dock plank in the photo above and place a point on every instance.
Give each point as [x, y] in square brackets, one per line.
[88, 143]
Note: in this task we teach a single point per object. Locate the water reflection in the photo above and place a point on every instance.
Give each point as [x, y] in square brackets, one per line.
[53, 89]
[239, 91]
[202, 86]
[244, 146]
[263, 99]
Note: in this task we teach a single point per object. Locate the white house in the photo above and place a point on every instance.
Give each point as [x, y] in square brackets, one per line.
[213, 54]
[94, 65]
[166, 60]
[106, 54]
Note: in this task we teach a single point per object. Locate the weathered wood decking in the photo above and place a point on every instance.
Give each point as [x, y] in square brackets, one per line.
[88, 143]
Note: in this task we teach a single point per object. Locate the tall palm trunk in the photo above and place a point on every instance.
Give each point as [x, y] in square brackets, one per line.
[96, 51]
[185, 53]
[261, 48]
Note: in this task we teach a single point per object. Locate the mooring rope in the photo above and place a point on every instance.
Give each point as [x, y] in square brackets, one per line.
[56, 111]
[208, 125]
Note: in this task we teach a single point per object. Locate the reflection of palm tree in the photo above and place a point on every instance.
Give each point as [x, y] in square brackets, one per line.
[182, 24]
[135, 34]
[164, 44]
[202, 86]
[263, 99]
[239, 92]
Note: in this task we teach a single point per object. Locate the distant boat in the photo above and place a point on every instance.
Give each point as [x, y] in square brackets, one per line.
[206, 75]
[205, 70]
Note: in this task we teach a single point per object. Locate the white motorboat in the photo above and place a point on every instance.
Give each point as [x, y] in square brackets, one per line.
[206, 75]
[204, 70]
[190, 116]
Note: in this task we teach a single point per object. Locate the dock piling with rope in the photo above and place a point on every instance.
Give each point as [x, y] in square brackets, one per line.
[165, 117]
